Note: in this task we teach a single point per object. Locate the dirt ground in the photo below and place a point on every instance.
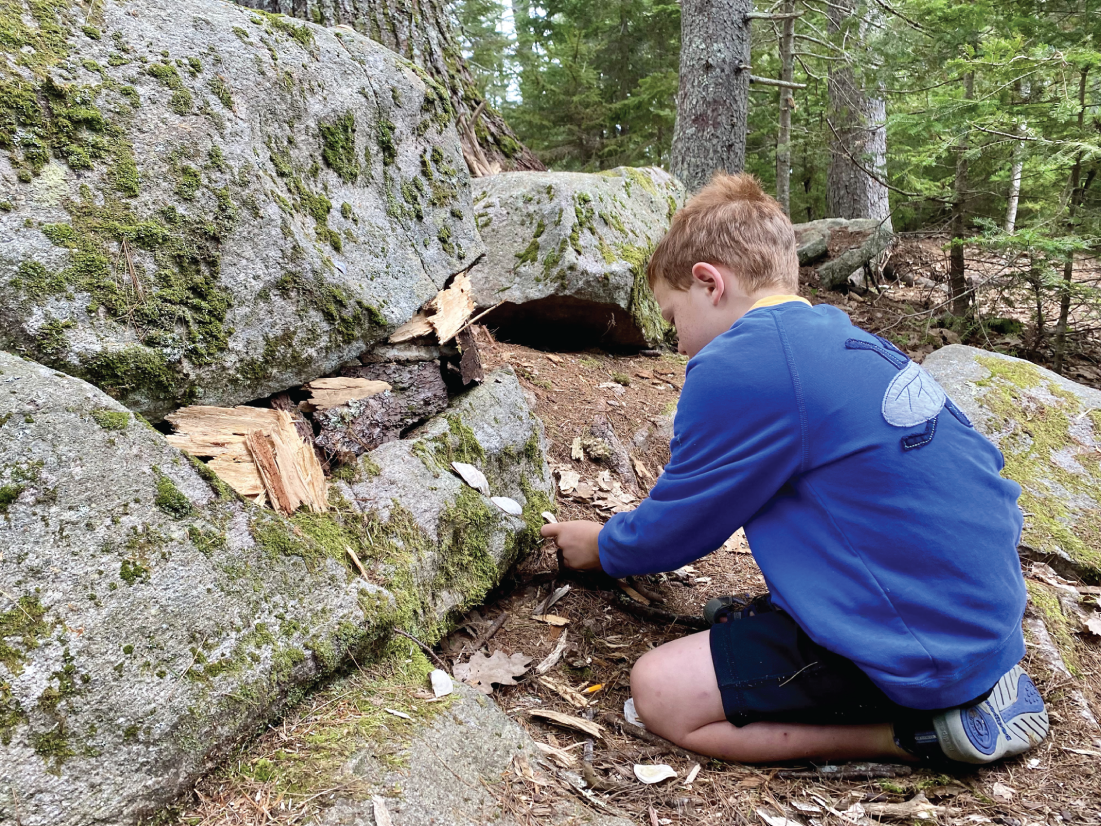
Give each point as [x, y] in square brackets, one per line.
[606, 630]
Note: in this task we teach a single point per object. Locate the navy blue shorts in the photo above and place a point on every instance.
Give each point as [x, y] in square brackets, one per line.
[769, 669]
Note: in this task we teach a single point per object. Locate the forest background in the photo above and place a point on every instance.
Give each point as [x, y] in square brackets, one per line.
[990, 110]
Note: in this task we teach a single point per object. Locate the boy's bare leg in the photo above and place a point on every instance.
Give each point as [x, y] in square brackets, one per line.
[677, 695]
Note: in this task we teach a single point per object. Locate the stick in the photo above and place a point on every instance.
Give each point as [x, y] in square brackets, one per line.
[658, 615]
[653, 739]
[767, 81]
[489, 632]
[355, 559]
[432, 654]
[849, 771]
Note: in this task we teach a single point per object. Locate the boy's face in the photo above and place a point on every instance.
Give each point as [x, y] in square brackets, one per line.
[697, 313]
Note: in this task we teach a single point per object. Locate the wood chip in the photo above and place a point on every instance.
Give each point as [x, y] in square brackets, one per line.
[239, 472]
[568, 721]
[552, 619]
[577, 452]
[205, 431]
[560, 756]
[328, 393]
[450, 309]
[417, 327]
[552, 659]
[381, 813]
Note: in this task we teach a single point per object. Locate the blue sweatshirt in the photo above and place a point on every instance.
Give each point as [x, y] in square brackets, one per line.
[872, 506]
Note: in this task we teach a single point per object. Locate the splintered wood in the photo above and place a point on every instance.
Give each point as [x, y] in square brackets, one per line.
[442, 316]
[255, 451]
[327, 393]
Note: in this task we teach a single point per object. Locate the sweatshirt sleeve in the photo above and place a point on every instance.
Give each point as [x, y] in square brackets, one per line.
[737, 440]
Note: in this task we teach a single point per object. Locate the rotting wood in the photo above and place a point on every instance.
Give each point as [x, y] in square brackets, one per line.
[329, 393]
[568, 721]
[417, 393]
[470, 365]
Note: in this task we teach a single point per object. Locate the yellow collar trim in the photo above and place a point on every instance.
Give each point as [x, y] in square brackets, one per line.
[773, 300]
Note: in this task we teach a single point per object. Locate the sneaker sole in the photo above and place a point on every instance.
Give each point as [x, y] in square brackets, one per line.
[1010, 721]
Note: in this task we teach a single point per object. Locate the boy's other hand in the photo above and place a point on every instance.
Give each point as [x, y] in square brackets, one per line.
[577, 540]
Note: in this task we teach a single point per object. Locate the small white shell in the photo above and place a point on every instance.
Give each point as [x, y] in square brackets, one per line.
[654, 774]
[441, 683]
[472, 476]
[507, 505]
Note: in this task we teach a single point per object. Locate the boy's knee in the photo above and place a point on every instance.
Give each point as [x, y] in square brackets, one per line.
[646, 679]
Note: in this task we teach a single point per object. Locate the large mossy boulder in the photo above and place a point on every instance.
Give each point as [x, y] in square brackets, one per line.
[150, 620]
[204, 203]
[1049, 430]
[566, 254]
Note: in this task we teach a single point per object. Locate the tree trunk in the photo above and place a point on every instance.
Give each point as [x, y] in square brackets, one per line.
[787, 103]
[1077, 191]
[957, 282]
[859, 146]
[421, 31]
[713, 101]
[1018, 166]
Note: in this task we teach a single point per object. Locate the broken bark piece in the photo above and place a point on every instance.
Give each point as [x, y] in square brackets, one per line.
[260, 447]
[449, 310]
[418, 392]
[282, 401]
[417, 327]
[329, 393]
[470, 365]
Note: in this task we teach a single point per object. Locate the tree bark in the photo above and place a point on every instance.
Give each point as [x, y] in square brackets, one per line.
[1017, 168]
[957, 281]
[787, 103]
[713, 101]
[860, 123]
[422, 31]
[1077, 191]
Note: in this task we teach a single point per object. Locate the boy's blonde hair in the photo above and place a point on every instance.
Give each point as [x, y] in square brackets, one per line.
[732, 222]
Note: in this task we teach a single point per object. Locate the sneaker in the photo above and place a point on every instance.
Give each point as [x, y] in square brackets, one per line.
[1010, 721]
[721, 609]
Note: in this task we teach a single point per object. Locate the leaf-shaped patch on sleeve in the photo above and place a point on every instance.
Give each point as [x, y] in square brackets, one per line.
[482, 671]
[913, 397]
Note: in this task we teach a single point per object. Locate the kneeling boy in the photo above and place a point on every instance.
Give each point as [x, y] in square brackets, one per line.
[874, 509]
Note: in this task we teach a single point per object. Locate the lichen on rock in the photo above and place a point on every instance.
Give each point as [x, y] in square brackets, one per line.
[1047, 427]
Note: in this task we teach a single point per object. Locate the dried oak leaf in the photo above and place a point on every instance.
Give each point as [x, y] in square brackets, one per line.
[482, 671]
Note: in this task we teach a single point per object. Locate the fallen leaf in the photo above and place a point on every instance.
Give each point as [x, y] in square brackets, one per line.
[806, 807]
[472, 476]
[482, 671]
[1094, 624]
[751, 782]
[551, 619]
[773, 820]
[1003, 793]
[510, 506]
[655, 773]
[441, 683]
[584, 490]
[568, 480]
[553, 358]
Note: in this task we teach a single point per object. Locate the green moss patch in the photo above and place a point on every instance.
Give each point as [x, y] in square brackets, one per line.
[349, 318]
[338, 141]
[1047, 606]
[1034, 430]
[20, 630]
[170, 498]
[111, 419]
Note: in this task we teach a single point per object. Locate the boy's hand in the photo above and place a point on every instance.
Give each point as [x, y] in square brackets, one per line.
[578, 543]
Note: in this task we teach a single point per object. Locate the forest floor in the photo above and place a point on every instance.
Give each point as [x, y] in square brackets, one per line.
[1059, 782]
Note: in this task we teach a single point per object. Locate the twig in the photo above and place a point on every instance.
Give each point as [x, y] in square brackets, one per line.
[654, 740]
[848, 771]
[483, 638]
[355, 559]
[645, 590]
[658, 615]
[432, 654]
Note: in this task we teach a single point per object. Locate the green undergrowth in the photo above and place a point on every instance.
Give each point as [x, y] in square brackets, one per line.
[644, 307]
[1034, 431]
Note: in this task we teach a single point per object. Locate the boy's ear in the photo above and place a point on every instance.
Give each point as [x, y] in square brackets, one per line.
[708, 277]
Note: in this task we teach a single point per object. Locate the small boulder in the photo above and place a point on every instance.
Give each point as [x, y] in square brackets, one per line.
[1049, 430]
[567, 251]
